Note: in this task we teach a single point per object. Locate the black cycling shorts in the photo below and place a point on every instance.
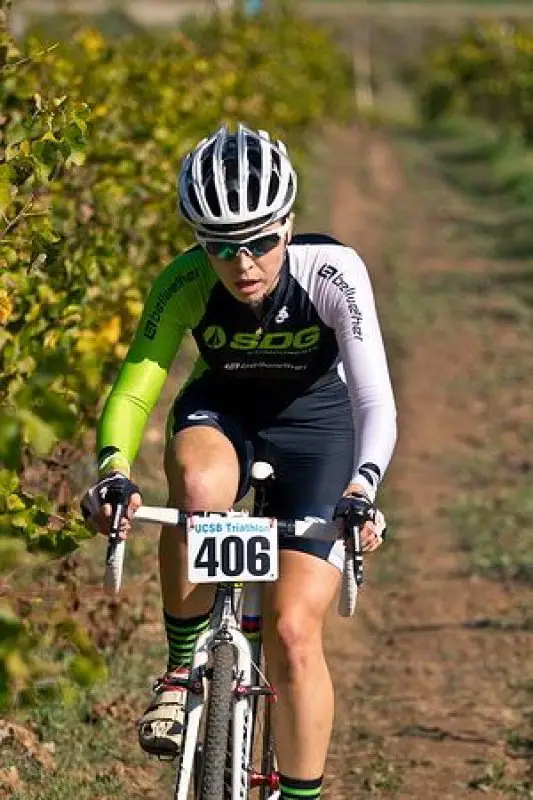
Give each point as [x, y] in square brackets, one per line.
[309, 444]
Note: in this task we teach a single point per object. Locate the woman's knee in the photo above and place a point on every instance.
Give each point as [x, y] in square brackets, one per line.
[204, 487]
[202, 470]
[296, 641]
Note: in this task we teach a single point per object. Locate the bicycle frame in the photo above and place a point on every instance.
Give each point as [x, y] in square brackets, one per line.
[225, 626]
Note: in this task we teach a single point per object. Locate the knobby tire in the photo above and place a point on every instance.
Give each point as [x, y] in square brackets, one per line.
[218, 724]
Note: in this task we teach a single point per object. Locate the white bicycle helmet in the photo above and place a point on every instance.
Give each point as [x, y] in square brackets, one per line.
[236, 183]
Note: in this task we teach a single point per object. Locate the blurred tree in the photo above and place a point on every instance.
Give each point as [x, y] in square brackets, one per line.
[223, 5]
[4, 10]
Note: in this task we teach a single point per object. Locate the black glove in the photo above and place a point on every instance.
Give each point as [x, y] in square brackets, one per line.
[115, 489]
[355, 508]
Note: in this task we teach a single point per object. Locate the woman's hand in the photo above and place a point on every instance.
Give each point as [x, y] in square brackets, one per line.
[101, 501]
[373, 531]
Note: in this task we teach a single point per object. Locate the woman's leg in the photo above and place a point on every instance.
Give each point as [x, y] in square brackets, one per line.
[294, 611]
[313, 465]
[202, 469]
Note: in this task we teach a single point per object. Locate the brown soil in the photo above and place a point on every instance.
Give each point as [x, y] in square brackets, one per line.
[423, 695]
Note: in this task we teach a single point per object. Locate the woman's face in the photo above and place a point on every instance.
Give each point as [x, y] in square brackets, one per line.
[250, 278]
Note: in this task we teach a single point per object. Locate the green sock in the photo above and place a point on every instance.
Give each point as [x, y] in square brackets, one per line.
[181, 636]
[295, 789]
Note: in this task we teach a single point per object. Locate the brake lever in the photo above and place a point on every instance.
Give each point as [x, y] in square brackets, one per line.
[354, 541]
[354, 524]
[116, 500]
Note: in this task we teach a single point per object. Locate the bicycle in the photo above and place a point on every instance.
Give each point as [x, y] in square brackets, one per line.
[226, 684]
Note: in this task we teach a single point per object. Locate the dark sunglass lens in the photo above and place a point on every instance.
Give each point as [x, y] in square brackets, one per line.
[224, 250]
[257, 247]
[264, 245]
[227, 252]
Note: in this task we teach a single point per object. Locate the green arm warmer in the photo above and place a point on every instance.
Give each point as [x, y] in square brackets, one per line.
[175, 304]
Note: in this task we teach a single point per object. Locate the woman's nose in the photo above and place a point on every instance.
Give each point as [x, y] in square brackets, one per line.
[244, 260]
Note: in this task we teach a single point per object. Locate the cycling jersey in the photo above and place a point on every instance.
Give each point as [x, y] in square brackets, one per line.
[318, 330]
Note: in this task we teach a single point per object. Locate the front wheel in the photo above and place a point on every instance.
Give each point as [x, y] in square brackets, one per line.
[219, 710]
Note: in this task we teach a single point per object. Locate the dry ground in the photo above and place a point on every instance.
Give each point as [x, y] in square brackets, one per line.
[427, 685]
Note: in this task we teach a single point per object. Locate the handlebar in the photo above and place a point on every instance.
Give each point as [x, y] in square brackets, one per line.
[309, 527]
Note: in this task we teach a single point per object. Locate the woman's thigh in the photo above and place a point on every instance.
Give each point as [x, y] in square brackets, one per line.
[202, 470]
[208, 456]
[203, 439]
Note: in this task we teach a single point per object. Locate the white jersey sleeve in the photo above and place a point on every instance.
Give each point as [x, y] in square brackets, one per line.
[340, 289]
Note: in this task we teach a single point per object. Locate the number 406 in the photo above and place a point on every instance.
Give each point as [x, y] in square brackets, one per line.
[236, 556]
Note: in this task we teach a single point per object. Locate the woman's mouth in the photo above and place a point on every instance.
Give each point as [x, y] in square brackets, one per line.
[247, 286]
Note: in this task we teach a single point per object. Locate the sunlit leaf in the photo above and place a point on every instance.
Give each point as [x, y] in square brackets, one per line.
[5, 189]
[38, 433]
[10, 440]
[12, 551]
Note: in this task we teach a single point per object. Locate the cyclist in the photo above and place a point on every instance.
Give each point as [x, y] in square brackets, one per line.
[291, 368]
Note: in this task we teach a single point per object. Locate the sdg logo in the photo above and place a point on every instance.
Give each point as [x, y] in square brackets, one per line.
[214, 337]
[305, 339]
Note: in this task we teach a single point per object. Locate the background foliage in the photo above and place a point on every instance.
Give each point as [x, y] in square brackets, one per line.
[92, 135]
[485, 71]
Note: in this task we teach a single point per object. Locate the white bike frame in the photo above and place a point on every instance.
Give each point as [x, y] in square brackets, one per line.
[248, 675]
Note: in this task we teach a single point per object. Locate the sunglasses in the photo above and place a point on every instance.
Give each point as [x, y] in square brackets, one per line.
[255, 246]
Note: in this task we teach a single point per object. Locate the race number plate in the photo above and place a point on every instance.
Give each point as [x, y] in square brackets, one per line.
[232, 548]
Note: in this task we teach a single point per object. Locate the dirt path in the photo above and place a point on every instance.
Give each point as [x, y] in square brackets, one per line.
[424, 682]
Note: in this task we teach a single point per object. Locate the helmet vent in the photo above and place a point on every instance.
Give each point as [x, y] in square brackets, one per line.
[254, 190]
[233, 200]
[212, 199]
[193, 199]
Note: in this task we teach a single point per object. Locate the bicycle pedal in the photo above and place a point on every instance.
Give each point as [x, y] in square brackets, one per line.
[176, 683]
